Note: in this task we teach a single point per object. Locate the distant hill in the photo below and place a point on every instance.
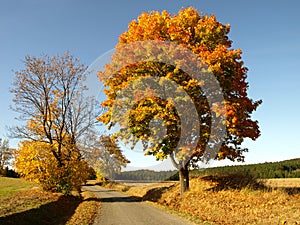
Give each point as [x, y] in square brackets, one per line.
[145, 175]
[283, 169]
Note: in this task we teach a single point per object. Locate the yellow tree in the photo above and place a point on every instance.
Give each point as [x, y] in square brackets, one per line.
[105, 157]
[34, 161]
[49, 96]
[222, 123]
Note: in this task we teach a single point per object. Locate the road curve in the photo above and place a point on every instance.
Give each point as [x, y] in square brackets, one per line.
[120, 209]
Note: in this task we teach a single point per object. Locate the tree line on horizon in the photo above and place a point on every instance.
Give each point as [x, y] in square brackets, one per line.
[283, 169]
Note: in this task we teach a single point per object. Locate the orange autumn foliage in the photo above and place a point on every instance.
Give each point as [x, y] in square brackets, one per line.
[208, 39]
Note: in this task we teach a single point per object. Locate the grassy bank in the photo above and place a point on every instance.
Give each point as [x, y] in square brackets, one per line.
[24, 203]
[9, 186]
[224, 200]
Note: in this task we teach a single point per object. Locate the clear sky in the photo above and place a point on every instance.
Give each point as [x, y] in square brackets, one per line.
[268, 32]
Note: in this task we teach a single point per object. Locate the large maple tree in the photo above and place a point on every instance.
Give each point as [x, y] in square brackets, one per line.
[206, 38]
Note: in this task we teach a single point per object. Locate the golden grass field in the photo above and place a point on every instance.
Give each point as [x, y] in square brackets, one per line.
[209, 201]
[283, 182]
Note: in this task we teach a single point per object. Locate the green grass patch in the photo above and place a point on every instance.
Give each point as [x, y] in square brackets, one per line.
[9, 186]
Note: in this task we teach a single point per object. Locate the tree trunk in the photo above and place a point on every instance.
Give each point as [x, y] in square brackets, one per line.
[183, 173]
[184, 179]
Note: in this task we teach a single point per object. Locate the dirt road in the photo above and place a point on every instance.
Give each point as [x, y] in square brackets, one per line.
[119, 209]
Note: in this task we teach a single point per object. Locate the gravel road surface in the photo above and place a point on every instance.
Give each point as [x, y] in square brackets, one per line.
[119, 209]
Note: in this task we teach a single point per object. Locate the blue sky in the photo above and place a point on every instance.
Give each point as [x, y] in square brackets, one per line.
[268, 32]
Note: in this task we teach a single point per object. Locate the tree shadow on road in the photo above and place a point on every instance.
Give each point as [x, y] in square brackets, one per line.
[121, 199]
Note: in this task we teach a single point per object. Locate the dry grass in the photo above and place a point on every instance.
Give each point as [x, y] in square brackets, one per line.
[147, 192]
[23, 201]
[86, 211]
[224, 200]
[37, 207]
[234, 206]
[141, 191]
[283, 182]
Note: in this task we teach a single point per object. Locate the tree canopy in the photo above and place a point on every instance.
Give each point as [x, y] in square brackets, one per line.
[206, 38]
[105, 156]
